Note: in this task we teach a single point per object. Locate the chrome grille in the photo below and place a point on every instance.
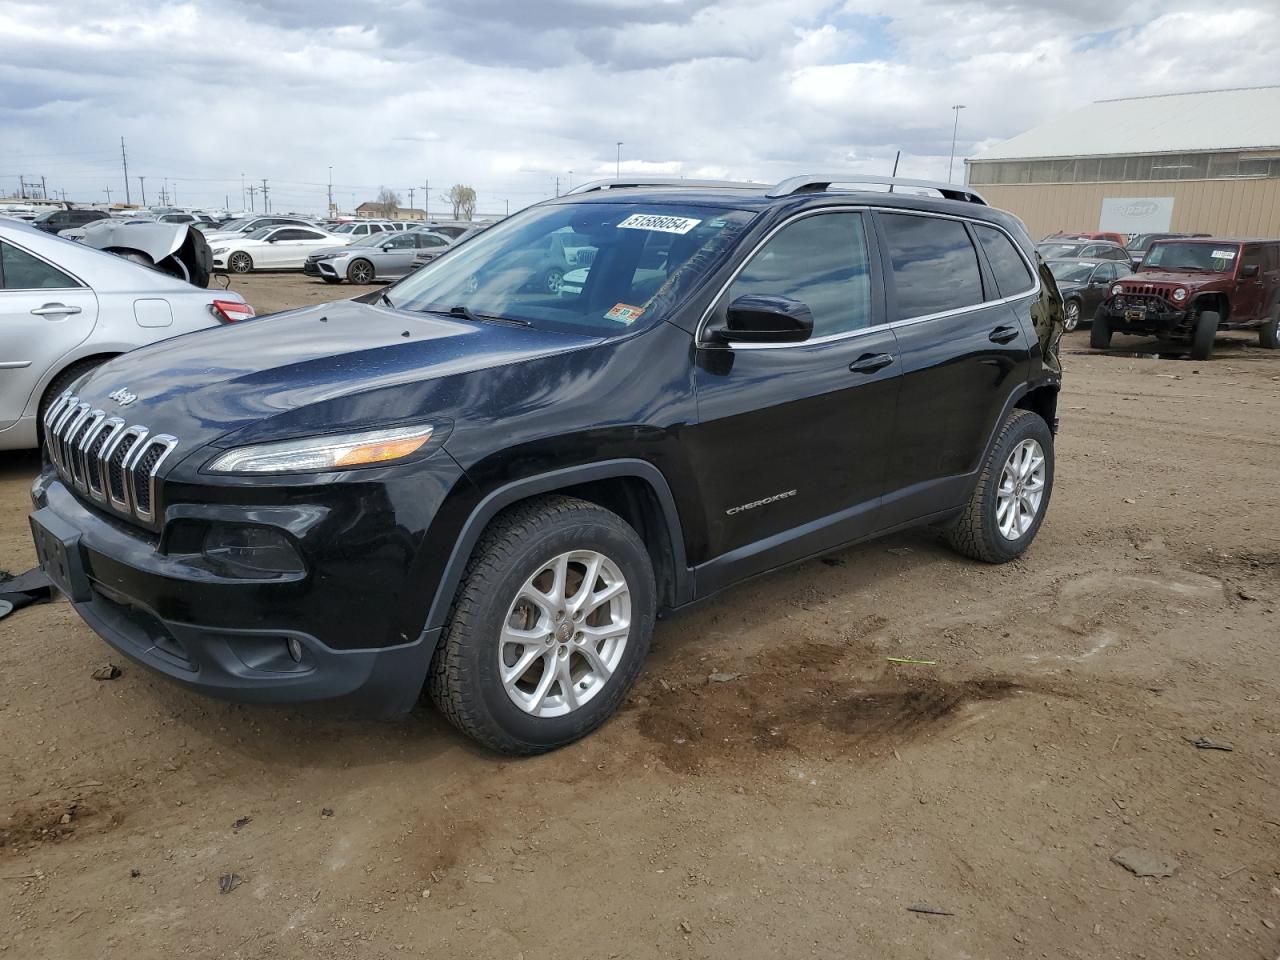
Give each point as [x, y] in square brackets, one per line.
[1162, 290]
[114, 464]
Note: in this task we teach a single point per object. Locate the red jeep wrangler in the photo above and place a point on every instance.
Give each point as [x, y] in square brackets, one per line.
[1190, 289]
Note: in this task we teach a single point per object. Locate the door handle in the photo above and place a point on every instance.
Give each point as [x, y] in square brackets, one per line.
[54, 310]
[1003, 334]
[871, 362]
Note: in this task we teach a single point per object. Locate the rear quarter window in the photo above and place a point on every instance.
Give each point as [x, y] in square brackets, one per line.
[1010, 270]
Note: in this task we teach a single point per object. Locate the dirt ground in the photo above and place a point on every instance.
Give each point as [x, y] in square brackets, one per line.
[798, 809]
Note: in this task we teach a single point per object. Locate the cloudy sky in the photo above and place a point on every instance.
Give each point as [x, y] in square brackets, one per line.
[506, 95]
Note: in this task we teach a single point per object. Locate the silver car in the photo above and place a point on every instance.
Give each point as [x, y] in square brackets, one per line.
[65, 308]
[380, 256]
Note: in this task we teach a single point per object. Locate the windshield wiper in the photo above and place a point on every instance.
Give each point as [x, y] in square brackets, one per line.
[468, 314]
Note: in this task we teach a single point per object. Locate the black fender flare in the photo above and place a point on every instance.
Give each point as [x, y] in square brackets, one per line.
[1010, 403]
[501, 497]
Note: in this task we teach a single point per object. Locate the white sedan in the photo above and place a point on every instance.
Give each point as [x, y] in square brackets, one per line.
[272, 248]
[65, 308]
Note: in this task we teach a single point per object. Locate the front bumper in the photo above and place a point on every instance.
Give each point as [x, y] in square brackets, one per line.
[224, 636]
[1146, 315]
[320, 268]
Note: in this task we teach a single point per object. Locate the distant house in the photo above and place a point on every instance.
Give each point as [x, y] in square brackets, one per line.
[371, 210]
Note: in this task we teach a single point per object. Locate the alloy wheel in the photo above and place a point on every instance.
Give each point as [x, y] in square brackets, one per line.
[361, 272]
[565, 633]
[1021, 490]
[1072, 316]
[240, 263]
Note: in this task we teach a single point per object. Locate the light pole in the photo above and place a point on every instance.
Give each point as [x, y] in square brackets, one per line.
[329, 212]
[617, 167]
[954, 129]
[571, 181]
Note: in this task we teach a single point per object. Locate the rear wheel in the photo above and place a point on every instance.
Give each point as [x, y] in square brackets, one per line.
[1269, 332]
[1100, 332]
[549, 629]
[240, 262]
[552, 280]
[360, 271]
[1202, 335]
[1071, 315]
[1008, 504]
[60, 383]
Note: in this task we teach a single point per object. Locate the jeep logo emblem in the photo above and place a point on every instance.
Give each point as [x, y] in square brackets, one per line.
[122, 396]
[1141, 208]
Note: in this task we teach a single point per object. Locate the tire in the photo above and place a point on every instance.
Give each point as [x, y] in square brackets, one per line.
[552, 280]
[514, 559]
[1206, 329]
[360, 271]
[979, 532]
[1269, 332]
[1070, 315]
[59, 384]
[331, 279]
[1100, 331]
[240, 262]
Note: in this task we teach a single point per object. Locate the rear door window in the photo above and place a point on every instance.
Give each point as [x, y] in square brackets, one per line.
[1010, 270]
[20, 270]
[822, 262]
[933, 264]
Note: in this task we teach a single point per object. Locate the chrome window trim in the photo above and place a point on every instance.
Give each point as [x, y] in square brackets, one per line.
[135, 457]
[1034, 290]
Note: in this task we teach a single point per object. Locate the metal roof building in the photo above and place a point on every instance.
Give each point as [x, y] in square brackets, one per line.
[1206, 162]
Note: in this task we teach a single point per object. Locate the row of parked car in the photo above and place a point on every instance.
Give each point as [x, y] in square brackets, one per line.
[1180, 287]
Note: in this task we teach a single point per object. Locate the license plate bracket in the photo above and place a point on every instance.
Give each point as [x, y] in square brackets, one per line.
[58, 549]
[1135, 316]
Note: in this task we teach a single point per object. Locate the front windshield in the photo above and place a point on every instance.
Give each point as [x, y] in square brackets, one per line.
[239, 224]
[1051, 250]
[1140, 243]
[1203, 257]
[259, 234]
[1070, 271]
[372, 240]
[588, 268]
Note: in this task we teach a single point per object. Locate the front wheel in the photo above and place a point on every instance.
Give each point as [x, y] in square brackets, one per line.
[1100, 332]
[1008, 504]
[549, 628]
[1202, 335]
[1071, 315]
[360, 271]
[240, 262]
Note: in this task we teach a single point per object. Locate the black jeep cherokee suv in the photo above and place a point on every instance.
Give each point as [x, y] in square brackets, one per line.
[474, 482]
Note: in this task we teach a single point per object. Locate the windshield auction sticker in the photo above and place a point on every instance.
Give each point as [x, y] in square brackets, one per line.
[658, 222]
[624, 313]
[1224, 254]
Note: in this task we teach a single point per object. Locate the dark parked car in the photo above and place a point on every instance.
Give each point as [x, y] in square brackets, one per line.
[56, 220]
[1084, 284]
[1082, 250]
[1139, 244]
[1188, 290]
[473, 483]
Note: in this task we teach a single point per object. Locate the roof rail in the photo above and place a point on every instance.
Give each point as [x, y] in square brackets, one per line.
[616, 184]
[819, 182]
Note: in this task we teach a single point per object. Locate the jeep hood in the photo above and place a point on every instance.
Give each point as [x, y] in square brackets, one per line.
[1181, 279]
[337, 365]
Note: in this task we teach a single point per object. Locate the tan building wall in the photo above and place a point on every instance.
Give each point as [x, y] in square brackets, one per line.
[1225, 208]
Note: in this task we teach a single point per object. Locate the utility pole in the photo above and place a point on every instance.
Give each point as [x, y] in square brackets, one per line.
[329, 212]
[557, 186]
[617, 168]
[44, 191]
[266, 204]
[142, 185]
[954, 129]
[426, 200]
[22, 186]
[124, 159]
[508, 203]
[571, 181]
[252, 191]
[242, 193]
[108, 196]
[411, 201]
[175, 194]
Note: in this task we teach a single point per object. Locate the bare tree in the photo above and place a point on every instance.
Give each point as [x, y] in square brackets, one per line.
[388, 202]
[463, 200]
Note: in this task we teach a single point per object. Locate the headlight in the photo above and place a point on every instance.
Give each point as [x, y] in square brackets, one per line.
[1115, 290]
[315, 454]
[1180, 294]
[218, 250]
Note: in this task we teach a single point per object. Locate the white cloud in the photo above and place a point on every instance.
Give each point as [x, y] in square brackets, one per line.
[507, 95]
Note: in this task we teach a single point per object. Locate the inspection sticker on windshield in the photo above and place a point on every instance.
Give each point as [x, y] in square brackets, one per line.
[1224, 254]
[624, 313]
[658, 222]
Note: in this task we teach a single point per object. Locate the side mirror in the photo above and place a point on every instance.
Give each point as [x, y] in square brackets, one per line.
[1249, 270]
[767, 319]
[272, 240]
